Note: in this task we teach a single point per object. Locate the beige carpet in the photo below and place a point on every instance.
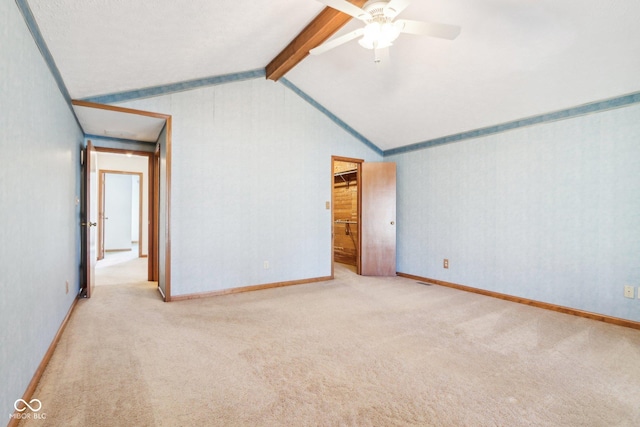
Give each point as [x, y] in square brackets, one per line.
[353, 351]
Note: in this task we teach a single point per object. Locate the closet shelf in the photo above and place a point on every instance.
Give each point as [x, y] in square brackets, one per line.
[345, 176]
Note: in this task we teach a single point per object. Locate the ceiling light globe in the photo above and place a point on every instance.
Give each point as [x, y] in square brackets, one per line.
[388, 33]
[372, 30]
[378, 36]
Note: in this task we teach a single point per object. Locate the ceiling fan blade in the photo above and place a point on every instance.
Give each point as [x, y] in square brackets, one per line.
[348, 8]
[394, 7]
[336, 42]
[443, 31]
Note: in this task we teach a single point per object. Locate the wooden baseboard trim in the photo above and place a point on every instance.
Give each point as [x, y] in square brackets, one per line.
[248, 288]
[31, 388]
[547, 306]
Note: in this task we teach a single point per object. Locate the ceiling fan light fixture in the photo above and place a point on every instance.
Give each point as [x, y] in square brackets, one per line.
[380, 30]
[378, 36]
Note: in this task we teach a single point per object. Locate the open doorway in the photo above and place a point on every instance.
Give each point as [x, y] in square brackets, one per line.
[346, 214]
[363, 216]
[146, 126]
[123, 210]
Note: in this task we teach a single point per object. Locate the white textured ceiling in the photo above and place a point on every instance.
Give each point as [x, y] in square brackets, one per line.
[118, 124]
[107, 46]
[514, 58]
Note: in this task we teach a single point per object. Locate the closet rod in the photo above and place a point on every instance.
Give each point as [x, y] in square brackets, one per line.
[345, 172]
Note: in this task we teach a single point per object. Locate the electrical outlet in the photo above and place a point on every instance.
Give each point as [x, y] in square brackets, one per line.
[266, 265]
[445, 264]
[628, 291]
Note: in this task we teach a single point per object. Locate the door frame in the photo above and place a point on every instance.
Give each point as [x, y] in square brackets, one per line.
[153, 207]
[101, 206]
[154, 176]
[358, 162]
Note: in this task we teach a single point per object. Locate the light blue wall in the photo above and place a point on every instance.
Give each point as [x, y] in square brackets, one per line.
[39, 232]
[549, 212]
[251, 172]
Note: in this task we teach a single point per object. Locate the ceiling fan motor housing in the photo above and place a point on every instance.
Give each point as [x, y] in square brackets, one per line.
[375, 7]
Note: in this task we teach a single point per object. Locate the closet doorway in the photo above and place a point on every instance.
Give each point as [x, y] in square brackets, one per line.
[363, 198]
[346, 199]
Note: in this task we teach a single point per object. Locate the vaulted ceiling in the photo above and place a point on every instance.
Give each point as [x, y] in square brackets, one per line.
[513, 59]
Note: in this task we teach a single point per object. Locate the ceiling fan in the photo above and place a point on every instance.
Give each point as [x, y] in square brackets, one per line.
[381, 30]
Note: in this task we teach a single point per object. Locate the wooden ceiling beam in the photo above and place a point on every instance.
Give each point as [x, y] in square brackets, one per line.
[320, 29]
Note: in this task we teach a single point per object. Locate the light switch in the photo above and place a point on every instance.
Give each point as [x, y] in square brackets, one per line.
[327, 205]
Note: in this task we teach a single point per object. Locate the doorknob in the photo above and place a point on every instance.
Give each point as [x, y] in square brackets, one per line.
[393, 222]
[89, 224]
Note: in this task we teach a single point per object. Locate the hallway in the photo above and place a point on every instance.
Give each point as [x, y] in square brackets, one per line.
[122, 267]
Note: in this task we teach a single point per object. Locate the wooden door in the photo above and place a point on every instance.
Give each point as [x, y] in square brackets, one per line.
[89, 219]
[378, 219]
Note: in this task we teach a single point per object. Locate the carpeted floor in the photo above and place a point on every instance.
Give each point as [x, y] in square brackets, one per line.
[352, 351]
